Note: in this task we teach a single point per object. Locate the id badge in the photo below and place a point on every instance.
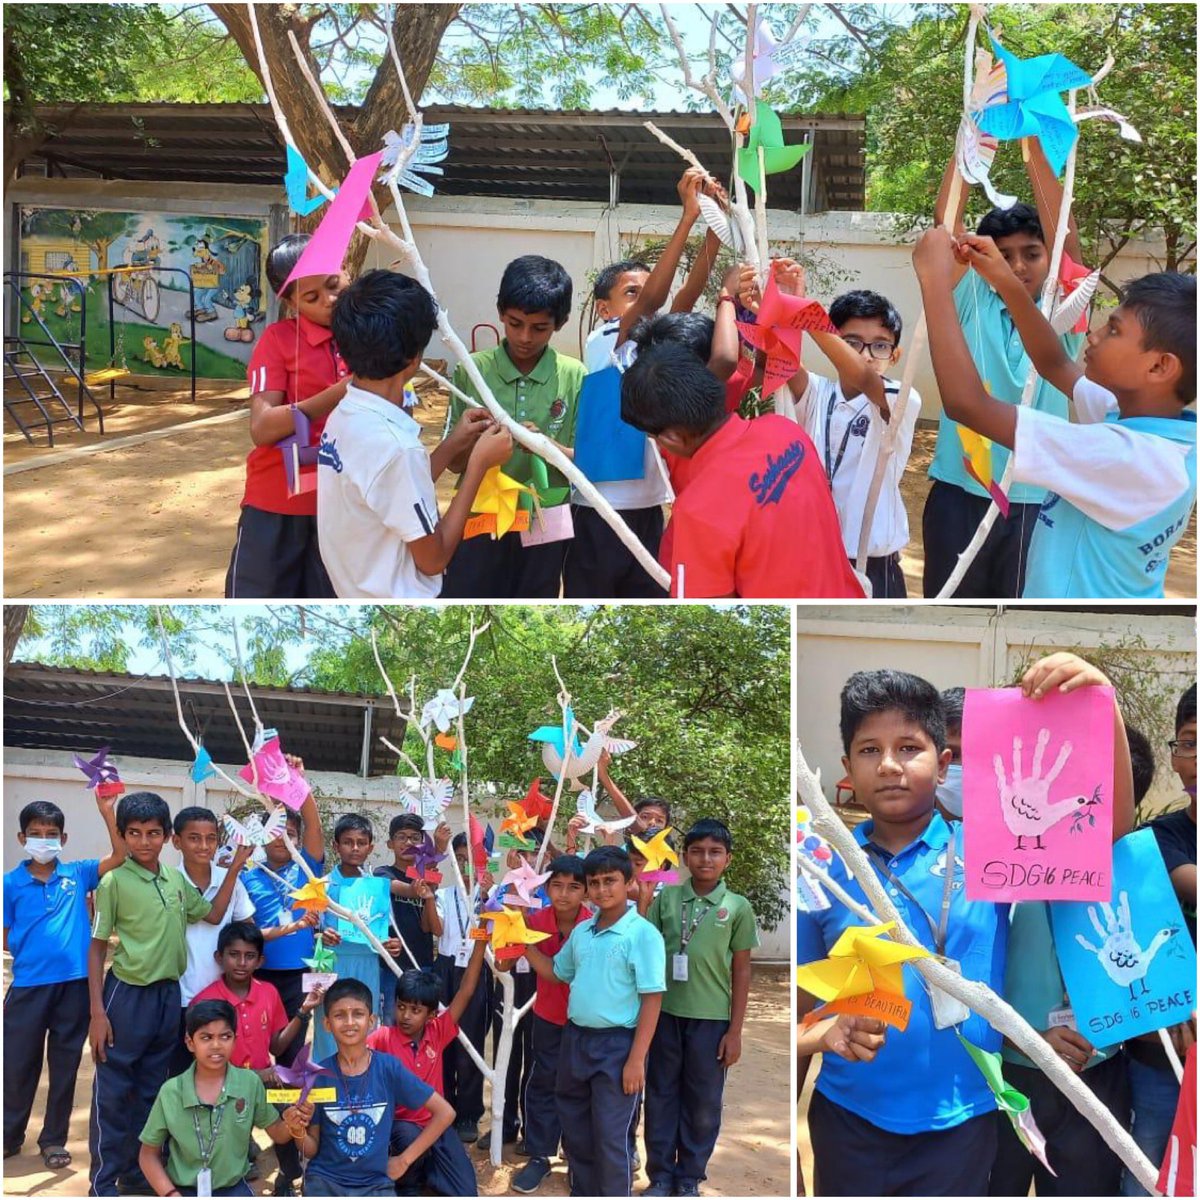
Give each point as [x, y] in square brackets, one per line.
[522, 967]
[679, 968]
[948, 1010]
[204, 1182]
[1063, 1017]
[463, 955]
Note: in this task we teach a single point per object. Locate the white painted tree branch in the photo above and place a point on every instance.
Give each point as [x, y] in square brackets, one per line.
[977, 996]
[564, 702]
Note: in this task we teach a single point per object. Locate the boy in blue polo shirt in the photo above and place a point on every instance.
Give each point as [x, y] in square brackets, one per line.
[918, 1119]
[1121, 481]
[46, 930]
[616, 966]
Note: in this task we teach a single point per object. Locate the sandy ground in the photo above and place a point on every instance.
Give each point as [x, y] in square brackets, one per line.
[751, 1159]
[157, 519]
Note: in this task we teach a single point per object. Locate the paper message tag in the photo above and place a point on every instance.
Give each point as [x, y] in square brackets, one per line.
[486, 523]
[292, 1095]
[321, 979]
[479, 934]
[549, 525]
[679, 968]
[948, 1010]
[883, 1006]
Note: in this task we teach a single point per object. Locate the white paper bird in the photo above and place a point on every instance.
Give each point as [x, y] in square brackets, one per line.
[1070, 308]
[586, 807]
[718, 221]
[444, 708]
[431, 802]
[253, 832]
[597, 743]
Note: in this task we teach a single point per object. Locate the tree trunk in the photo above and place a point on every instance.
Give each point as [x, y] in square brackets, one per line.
[14, 624]
[418, 30]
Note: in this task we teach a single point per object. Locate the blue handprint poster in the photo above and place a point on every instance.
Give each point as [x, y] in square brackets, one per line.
[1129, 964]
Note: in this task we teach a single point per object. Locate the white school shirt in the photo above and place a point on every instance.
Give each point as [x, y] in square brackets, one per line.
[456, 918]
[855, 438]
[202, 937]
[653, 488]
[374, 495]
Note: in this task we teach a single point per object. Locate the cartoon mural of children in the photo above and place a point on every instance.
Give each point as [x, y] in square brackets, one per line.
[206, 278]
[243, 313]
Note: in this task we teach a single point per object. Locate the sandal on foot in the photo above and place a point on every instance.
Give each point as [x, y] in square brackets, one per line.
[56, 1158]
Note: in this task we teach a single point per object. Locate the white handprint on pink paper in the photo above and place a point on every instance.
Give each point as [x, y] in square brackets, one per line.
[1025, 800]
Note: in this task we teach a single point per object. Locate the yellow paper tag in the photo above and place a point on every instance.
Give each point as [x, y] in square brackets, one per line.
[292, 1095]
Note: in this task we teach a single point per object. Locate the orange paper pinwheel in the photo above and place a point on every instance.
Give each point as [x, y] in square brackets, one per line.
[312, 896]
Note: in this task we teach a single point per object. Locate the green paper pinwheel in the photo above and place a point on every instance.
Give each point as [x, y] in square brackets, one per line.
[767, 133]
[323, 959]
[539, 480]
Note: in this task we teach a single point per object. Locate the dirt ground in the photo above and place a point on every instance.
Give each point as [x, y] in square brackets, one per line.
[752, 1157]
[156, 518]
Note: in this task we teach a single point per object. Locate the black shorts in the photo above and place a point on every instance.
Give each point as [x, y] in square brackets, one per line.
[600, 567]
[276, 557]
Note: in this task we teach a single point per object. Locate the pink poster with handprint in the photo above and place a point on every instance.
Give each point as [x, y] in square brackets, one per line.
[1038, 794]
[276, 778]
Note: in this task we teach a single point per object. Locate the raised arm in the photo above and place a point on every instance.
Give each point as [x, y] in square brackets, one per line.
[470, 981]
[1047, 196]
[108, 814]
[620, 800]
[952, 220]
[697, 277]
[225, 892]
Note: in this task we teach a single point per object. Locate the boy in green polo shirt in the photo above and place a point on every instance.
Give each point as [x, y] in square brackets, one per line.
[135, 1008]
[539, 388]
[708, 932]
[208, 1114]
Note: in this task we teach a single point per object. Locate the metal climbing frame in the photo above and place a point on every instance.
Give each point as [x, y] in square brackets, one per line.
[22, 366]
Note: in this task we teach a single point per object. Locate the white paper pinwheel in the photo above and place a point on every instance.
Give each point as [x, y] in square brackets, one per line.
[431, 802]
[586, 807]
[770, 58]
[444, 709]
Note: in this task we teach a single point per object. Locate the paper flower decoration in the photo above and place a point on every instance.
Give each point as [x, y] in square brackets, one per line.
[770, 58]
[1014, 1104]
[323, 959]
[444, 709]
[510, 934]
[302, 1073]
[296, 183]
[500, 496]
[297, 453]
[1031, 105]
[863, 963]
[777, 331]
[586, 807]
[535, 803]
[766, 133]
[657, 851]
[407, 162]
[276, 778]
[523, 882]
[202, 768]
[312, 897]
[977, 458]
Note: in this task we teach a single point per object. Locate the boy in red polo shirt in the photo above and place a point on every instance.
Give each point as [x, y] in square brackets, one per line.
[295, 368]
[566, 888]
[417, 1039]
[756, 519]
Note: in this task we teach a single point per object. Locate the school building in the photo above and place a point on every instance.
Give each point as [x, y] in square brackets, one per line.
[53, 713]
[585, 188]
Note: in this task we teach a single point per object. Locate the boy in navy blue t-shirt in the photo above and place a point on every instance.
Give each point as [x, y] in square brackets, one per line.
[47, 930]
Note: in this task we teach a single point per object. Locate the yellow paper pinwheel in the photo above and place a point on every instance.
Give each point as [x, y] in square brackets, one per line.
[657, 852]
[518, 821]
[510, 933]
[863, 962]
[500, 495]
[312, 895]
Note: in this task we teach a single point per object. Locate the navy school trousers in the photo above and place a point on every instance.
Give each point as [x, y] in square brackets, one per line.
[51, 1020]
[443, 1170]
[461, 1078]
[543, 1129]
[596, 1114]
[145, 1026]
[684, 1086]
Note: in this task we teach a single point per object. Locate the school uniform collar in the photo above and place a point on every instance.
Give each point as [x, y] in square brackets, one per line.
[714, 897]
[626, 918]
[232, 997]
[135, 868]
[187, 1090]
[25, 877]
[314, 334]
[935, 836]
[375, 402]
[543, 371]
[1176, 429]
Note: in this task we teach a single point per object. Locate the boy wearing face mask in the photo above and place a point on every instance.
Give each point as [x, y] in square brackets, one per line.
[47, 929]
[949, 793]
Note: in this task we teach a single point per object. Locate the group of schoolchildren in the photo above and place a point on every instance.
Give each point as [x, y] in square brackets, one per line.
[203, 1008]
[771, 507]
[911, 1114]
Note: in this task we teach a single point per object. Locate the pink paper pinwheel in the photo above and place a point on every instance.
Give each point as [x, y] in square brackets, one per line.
[522, 882]
[302, 1074]
[778, 329]
[275, 777]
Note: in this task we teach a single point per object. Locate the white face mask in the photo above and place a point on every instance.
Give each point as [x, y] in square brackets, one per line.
[950, 792]
[43, 850]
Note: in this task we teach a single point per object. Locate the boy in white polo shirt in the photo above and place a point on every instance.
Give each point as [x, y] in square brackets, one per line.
[1121, 481]
[376, 506]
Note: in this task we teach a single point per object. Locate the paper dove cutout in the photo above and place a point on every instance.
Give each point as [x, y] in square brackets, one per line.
[430, 803]
[302, 1073]
[312, 897]
[767, 132]
[975, 152]
[509, 933]
[297, 453]
[656, 850]
[862, 963]
[583, 758]
[253, 832]
[977, 458]
[98, 769]
[499, 494]
[327, 248]
[202, 768]
[1014, 1104]
[1077, 287]
[323, 959]
[586, 807]
[523, 882]
[778, 329]
[275, 776]
[1109, 114]
[407, 164]
[1032, 106]
[718, 221]
[770, 58]
[535, 803]
[296, 183]
[444, 709]
[554, 736]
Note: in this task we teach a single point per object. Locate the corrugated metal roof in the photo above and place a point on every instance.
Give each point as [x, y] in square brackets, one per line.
[523, 153]
[60, 708]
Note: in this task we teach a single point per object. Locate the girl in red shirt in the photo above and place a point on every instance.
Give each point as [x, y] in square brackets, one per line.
[295, 366]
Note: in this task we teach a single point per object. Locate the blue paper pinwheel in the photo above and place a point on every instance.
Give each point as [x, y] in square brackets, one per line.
[296, 183]
[432, 149]
[1034, 107]
[202, 768]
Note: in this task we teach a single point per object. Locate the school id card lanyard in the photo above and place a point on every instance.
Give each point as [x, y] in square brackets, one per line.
[216, 1114]
[831, 466]
[679, 962]
[947, 1010]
